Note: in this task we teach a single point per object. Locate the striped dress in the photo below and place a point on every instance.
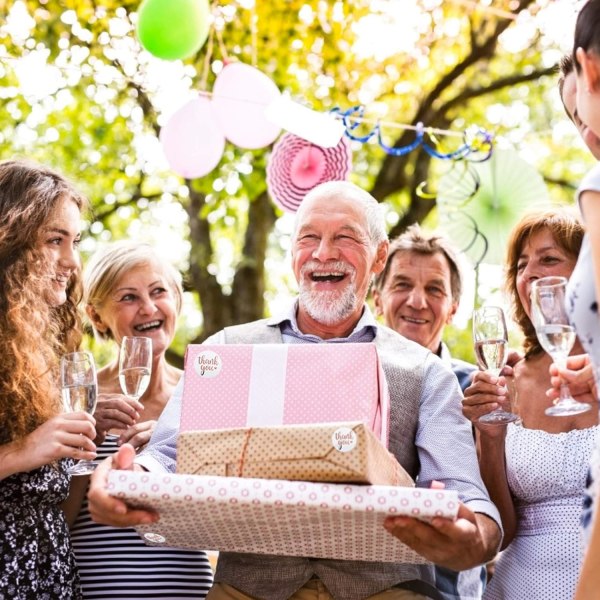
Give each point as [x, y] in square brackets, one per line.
[115, 563]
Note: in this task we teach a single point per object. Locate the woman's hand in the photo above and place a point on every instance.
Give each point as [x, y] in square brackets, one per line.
[579, 375]
[115, 411]
[137, 435]
[486, 393]
[68, 435]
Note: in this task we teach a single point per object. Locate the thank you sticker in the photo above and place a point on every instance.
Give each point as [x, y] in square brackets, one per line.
[344, 439]
[208, 364]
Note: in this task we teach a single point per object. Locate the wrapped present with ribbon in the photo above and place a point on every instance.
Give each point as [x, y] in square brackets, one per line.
[334, 452]
[259, 385]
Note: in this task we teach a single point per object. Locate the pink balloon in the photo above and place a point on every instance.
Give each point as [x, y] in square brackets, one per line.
[241, 94]
[192, 140]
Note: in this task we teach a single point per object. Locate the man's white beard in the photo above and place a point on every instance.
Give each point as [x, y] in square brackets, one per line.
[328, 307]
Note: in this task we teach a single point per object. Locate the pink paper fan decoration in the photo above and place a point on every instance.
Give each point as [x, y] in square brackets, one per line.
[296, 166]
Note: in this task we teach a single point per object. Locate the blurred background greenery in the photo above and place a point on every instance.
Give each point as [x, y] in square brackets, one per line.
[78, 91]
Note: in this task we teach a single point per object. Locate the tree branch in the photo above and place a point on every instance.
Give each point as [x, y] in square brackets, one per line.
[392, 175]
[216, 306]
[504, 82]
[142, 98]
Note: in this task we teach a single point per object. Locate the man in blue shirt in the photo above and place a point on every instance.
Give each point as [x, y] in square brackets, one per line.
[418, 293]
[339, 243]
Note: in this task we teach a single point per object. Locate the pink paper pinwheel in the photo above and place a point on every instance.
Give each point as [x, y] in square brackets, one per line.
[296, 166]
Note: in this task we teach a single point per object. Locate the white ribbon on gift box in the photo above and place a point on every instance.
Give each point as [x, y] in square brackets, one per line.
[269, 364]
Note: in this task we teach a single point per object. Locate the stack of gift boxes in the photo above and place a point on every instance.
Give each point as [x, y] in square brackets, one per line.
[283, 450]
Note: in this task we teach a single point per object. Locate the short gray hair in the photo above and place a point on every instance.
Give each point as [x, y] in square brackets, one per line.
[346, 189]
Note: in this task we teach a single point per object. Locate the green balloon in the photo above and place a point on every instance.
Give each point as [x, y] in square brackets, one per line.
[173, 29]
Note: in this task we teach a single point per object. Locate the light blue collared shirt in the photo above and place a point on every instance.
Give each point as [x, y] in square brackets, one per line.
[444, 437]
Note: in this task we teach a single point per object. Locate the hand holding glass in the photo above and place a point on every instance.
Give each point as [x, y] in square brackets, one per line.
[491, 340]
[555, 335]
[79, 392]
[135, 365]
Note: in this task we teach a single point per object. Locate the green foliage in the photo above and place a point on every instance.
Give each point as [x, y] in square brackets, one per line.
[98, 121]
[460, 342]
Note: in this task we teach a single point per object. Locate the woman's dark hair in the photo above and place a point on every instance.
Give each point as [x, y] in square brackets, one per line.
[587, 30]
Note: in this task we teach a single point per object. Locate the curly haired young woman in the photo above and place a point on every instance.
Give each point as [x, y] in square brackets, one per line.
[40, 215]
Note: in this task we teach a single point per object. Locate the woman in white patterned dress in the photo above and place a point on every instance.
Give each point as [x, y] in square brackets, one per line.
[129, 290]
[535, 471]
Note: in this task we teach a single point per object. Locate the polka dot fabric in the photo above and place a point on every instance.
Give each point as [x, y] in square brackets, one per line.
[219, 401]
[331, 383]
[546, 474]
[295, 452]
[286, 518]
[321, 383]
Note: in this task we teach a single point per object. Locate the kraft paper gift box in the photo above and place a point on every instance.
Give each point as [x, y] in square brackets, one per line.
[334, 452]
[287, 518]
[257, 385]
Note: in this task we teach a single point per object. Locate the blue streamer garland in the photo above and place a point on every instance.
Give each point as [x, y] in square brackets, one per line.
[477, 144]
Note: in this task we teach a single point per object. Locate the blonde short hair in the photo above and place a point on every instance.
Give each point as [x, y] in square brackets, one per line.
[108, 265]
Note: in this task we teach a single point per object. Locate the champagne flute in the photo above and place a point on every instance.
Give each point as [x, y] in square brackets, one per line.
[79, 393]
[555, 335]
[135, 365]
[491, 340]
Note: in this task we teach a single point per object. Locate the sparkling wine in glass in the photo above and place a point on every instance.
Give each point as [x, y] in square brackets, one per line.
[135, 365]
[491, 349]
[79, 393]
[555, 335]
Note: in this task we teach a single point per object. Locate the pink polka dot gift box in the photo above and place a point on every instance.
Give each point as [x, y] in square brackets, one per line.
[288, 518]
[334, 452]
[257, 385]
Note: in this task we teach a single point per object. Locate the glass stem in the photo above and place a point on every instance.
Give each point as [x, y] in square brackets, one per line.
[565, 393]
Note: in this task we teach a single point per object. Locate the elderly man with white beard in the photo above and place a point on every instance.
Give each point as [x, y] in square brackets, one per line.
[339, 244]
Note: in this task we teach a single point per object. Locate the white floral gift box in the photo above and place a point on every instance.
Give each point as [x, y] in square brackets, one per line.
[269, 516]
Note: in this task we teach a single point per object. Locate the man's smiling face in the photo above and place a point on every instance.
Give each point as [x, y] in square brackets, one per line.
[416, 298]
[334, 260]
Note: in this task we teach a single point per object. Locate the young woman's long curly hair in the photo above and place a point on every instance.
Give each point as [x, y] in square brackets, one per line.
[567, 230]
[33, 334]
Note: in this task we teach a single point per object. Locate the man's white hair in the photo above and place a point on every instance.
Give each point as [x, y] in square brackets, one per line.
[350, 191]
